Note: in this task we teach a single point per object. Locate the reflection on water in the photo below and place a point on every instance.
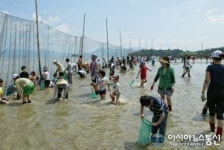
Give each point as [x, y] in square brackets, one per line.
[85, 123]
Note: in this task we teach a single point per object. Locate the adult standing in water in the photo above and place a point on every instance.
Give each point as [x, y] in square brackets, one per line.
[187, 66]
[94, 71]
[214, 84]
[166, 77]
[69, 69]
[80, 62]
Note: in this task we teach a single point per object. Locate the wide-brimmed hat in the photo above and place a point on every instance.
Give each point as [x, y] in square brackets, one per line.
[164, 60]
[61, 81]
[217, 54]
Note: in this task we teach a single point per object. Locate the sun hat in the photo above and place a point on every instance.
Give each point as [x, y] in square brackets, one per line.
[164, 60]
[15, 76]
[217, 54]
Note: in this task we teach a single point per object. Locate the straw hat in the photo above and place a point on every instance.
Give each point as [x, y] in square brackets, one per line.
[61, 81]
[164, 60]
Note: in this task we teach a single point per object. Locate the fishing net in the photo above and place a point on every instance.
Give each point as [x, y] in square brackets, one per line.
[144, 132]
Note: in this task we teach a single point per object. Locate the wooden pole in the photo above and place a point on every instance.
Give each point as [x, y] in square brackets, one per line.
[83, 35]
[107, 42]
[38, 42]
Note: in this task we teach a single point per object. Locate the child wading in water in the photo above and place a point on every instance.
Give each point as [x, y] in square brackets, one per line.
[115, 93]
[143, 73]
[102, 82]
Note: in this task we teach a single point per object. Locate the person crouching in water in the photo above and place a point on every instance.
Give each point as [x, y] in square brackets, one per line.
[61, 85]
[160, 113]
[115, 93]
[24, 87]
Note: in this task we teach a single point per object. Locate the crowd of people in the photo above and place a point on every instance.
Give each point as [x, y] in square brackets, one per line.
[24, 84]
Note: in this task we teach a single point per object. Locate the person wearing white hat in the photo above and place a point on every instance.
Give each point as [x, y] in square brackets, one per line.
[214, 84]
[60, 67]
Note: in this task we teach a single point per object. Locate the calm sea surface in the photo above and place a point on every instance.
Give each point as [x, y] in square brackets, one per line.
[82, 123]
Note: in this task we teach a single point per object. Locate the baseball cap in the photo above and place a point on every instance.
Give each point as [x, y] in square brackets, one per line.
[54, 61]
[15, 76]
[217, 54]
[93, 56]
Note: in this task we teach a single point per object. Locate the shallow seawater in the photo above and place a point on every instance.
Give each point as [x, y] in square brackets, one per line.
[82, 123]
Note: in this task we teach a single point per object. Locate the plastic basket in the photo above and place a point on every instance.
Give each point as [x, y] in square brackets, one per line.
[144, 132]
[93, 93]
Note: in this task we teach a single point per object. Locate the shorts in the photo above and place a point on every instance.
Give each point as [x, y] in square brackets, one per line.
[215, 103]
[28, 89]
[167, 92]
[47, 83]
[102, 92]
[187, 68]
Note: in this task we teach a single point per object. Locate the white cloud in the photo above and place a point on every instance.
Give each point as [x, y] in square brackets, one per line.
[63, 28]
[214, 16]
[5, 12]
[52, 20]
[34, 17]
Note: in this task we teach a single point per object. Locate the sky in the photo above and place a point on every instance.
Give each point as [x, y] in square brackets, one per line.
[158, 24]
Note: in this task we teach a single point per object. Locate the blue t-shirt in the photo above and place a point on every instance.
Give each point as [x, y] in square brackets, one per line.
[216, 77]
[158, 107]
[93, 69]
